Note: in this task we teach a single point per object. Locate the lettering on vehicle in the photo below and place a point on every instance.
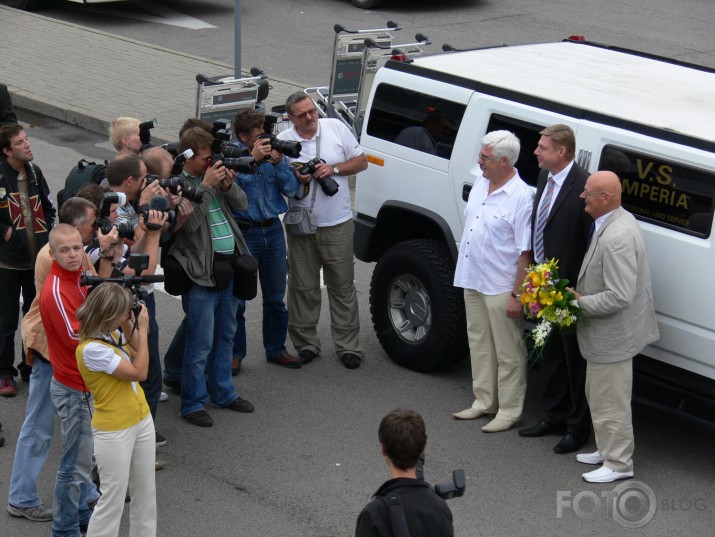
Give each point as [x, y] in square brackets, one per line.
[663, 192]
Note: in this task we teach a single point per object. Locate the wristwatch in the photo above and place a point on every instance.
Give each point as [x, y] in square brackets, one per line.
[336, 171]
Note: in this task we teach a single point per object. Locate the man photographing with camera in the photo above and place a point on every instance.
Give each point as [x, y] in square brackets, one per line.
[404, 506]
[261, 228]
[330, 245]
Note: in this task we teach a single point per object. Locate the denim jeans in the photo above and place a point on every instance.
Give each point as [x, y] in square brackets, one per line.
[71, 487]
[35, 438]
[174, 357]
[210, 326]
[268, 245]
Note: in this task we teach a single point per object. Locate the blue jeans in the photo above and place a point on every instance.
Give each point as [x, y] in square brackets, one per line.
[210, 326]
[268, 245]
[71, 487]
[35, 438]
[174, 357]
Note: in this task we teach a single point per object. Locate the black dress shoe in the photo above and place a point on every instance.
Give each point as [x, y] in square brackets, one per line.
[568, 444]
[350, 360]
[542, 428]
[307, 356]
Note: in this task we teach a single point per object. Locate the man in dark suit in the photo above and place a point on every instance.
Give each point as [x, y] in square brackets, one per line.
[560, 230]
[618, 321]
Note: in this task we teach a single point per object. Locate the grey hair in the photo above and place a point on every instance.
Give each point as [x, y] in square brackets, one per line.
[503, 144]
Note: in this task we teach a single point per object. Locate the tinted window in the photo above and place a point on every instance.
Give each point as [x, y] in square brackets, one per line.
[663, 192]
[528, 134]
[423, 122]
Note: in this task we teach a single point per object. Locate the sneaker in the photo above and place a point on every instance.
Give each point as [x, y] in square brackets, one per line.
[159, 464]
[8, 388]
[240, 405]
[285, 359]
[350, 360]
[160, 440]
[163, 397]
[236, 365]
[37, 513]
[307, 356]
[200, 418]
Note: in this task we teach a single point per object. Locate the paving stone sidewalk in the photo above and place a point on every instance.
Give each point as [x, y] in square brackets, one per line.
[87, 77]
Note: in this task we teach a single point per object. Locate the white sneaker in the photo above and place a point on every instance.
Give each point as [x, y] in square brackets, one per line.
[605, 475]
[163, 397]
[590, 458]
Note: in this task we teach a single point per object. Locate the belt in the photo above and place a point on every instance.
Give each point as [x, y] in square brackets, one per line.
[268, 222]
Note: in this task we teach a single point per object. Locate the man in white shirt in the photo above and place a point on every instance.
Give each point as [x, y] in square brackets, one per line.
[493, 255]
[331, 246]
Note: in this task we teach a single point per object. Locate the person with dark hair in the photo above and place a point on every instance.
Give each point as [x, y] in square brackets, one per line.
[403, 438]
[7, 114]
[35, 438]
[26, 217]
[209, 301]
[330, 248]
[112, 357]
[262, 229]
[194, 122]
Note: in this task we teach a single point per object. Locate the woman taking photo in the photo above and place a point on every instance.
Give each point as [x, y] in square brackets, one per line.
[113, 358]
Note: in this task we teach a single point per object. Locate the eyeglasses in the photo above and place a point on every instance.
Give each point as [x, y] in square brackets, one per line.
[588, 194]
[304, 115]
[482, 156]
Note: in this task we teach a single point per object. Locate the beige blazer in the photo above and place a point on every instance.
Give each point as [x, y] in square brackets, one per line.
[618, 316]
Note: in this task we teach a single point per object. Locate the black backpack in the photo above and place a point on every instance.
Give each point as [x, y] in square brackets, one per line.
[85, 172]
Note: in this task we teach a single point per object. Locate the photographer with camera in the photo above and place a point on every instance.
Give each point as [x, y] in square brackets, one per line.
[262, 229]
[330, 246]
[112, 356]
[124, 135]
[404, 506]
[208, 299]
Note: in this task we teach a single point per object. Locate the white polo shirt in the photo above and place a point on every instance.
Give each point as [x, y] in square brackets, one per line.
[337, 145]
[497, 230]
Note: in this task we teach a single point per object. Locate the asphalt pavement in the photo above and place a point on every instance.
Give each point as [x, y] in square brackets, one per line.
[87, 77]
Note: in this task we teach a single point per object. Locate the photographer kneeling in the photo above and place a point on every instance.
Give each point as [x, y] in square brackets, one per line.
[113, 356]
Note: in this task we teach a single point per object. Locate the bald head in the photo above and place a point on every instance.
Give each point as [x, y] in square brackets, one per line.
[66, 247]
[61, 232]
[602, 193]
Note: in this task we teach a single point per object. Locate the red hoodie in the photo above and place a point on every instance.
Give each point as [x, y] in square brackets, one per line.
[60, 297]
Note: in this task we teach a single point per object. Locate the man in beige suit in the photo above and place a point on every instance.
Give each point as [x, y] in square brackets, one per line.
[618, 321]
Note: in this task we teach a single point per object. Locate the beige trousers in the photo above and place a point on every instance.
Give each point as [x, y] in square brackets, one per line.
[330, 248]
[608, 390]
[498, 355]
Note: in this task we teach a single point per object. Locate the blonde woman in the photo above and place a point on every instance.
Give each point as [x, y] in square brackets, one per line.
[113, 358]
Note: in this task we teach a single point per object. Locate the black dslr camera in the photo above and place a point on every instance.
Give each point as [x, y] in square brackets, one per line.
[220, 147]
[125, 229]
[288, 147]
[177, 185]
[446, 491]
[145, 133]
[139, 263]
[329, 185]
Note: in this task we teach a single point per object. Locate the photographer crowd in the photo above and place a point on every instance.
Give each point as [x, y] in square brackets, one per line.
[210, 216]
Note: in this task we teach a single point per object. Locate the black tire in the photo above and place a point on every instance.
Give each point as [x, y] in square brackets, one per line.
[27, 5]
[367, 4]
[417, 313]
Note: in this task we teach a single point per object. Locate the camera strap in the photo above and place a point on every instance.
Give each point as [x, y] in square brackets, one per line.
[396, 512]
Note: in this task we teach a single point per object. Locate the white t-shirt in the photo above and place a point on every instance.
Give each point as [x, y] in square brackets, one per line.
[337, 145]
[497, 229]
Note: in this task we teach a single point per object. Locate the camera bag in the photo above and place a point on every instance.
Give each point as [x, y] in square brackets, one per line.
[245, 278]
[176, 281]
[299, 220]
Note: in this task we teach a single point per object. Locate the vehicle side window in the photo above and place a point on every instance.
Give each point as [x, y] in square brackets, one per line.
[423, 122]
[528, 134]
[663, 192]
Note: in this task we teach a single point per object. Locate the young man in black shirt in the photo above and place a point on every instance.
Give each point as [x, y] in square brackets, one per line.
[402, 440]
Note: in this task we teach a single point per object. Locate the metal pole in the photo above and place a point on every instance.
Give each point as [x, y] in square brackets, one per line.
[237, 40]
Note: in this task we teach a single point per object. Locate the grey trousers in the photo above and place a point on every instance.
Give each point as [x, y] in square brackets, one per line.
[330, 248]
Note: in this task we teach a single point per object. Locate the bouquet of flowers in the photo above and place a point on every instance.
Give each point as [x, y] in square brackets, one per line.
[547, 301]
